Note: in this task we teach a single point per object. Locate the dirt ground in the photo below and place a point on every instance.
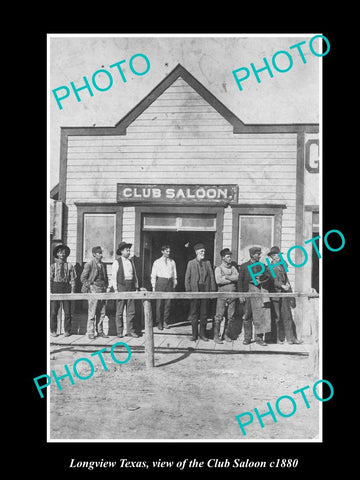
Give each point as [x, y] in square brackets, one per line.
[186, 396]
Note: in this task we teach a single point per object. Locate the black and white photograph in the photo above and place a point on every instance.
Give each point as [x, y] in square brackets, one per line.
[191, 308]
[185, 238]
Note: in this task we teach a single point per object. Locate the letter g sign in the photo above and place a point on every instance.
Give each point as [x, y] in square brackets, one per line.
[312, 156]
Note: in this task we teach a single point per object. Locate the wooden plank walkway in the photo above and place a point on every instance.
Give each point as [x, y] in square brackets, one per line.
[178, 339]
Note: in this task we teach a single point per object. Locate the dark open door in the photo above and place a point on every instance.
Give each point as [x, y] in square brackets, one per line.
[146, 260]
[182, 251]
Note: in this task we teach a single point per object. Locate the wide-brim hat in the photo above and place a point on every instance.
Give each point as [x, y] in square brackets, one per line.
[199, 246]
[61, 247]
[274, 250]
[121, 247]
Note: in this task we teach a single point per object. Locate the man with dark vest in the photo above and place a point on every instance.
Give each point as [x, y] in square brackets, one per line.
[124, 279]
[256, 310]
[199, 277]
[95, 280]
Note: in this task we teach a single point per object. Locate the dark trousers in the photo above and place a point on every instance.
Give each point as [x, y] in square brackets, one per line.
[198, 309]
[284, 320]
[163, 307]
[228, 308]
[130, 309]
[59, 287]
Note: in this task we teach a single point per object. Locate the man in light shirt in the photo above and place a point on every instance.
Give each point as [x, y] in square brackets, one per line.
[124, 279]
[226, 277]
[163, 279]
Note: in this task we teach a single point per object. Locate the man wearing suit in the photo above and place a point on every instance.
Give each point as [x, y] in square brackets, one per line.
[95, 280]
[282, 305]
[256, 311]
[199, 277]
[124, 279]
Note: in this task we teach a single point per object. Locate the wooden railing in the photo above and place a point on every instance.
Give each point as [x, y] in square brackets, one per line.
[146, 297]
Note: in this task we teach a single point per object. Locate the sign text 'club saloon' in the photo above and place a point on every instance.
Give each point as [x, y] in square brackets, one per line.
[127, 192]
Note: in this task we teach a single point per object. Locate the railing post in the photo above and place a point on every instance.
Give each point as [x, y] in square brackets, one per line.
[149, 335]
[60, 319]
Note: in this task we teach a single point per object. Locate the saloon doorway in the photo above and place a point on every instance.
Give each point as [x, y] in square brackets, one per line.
[181, 233]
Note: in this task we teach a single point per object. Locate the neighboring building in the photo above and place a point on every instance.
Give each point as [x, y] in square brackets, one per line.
[180, 167]
[56, 218]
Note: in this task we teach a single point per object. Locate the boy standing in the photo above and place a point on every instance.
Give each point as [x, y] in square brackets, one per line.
[62, 280]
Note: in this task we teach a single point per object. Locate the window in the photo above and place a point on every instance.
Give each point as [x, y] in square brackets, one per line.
[255, 230]
[258, 225]
[159, 222]
[99, 229]
[180, 222]
[97, 224]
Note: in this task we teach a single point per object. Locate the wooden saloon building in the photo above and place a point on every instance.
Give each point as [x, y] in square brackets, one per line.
[180, 168]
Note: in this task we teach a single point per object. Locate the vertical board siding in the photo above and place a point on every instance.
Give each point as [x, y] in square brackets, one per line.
[129, 225]
[227, 228]
[180, 138]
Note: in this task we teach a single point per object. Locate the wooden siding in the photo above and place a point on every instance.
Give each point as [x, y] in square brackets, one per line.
[180, 138]
[227, 228]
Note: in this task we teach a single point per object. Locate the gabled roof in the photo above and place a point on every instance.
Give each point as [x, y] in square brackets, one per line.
[180, 71]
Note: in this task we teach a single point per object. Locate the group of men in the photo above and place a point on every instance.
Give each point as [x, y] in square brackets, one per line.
[256, 312]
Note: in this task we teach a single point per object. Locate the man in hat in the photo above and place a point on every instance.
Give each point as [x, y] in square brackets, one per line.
[95, 280]
[124, 279]
[226, 277]
[199, 277]
[256, 310]
[62, 280]
[163, 279]
[285, 325]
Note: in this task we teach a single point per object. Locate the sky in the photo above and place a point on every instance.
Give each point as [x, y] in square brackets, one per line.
[291, 96]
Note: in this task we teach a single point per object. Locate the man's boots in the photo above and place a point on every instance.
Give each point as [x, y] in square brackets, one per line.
[194, 329]
[217, 337]
[203, 332]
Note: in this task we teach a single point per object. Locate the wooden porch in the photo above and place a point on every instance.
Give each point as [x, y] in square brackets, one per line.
[177, 337]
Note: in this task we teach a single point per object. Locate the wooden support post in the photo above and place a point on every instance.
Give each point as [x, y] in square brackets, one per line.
[149, 335]
[314, 351]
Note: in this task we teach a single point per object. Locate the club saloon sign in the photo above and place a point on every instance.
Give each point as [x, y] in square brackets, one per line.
[131, 192]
